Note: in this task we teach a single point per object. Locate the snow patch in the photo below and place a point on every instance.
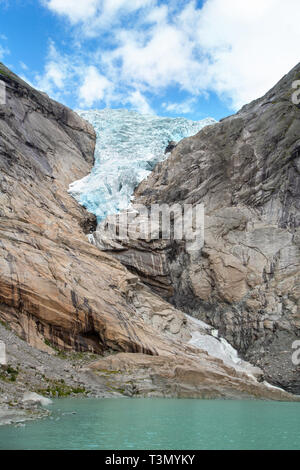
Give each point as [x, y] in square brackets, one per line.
[207, 338]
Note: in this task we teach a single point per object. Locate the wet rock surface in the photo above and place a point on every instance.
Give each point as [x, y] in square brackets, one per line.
[32, 376]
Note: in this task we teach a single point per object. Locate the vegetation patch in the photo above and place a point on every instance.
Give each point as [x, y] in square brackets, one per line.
[119, 390]
[77, 356]
[8, 373]
[6, 326]
[72, 355]
[4, 72]
[109, 372]
[59, 389]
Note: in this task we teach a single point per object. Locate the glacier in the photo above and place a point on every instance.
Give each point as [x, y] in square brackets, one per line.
[128, 147]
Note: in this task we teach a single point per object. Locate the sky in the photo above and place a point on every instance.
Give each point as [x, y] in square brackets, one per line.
[170, 58]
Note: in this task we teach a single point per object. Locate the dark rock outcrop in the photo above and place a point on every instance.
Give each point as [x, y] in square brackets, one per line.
[170, 147]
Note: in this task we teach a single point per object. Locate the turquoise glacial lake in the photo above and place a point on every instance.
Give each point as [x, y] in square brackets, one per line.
[122, 424]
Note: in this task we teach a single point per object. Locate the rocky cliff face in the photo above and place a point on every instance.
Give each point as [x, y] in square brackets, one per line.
[246, 279]
[59, 291]
[54, 285]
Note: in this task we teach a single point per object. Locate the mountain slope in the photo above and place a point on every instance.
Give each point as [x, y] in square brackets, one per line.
[246, 279]
[58, 291]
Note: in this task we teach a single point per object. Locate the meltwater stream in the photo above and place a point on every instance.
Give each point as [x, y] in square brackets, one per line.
[128, 147]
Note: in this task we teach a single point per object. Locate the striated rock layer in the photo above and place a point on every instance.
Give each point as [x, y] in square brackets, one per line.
[54, 285]
[57, 290]
[246, 279]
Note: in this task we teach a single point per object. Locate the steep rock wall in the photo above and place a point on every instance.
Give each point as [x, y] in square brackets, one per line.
[246, 279]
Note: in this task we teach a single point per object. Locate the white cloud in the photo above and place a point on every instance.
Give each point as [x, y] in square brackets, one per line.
[251, 44]
[185, 107]
[58, 72]
[3, 49]
[23, 65]
[163, 59]
[238, 49]
[231, 47]
[66, 75]
[55, 74]
[139, 103]
[93, 88]
[113, 7]
[95, 15]
[75, 10]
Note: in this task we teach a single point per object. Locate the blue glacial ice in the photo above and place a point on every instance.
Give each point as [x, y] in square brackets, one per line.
[128, 147]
